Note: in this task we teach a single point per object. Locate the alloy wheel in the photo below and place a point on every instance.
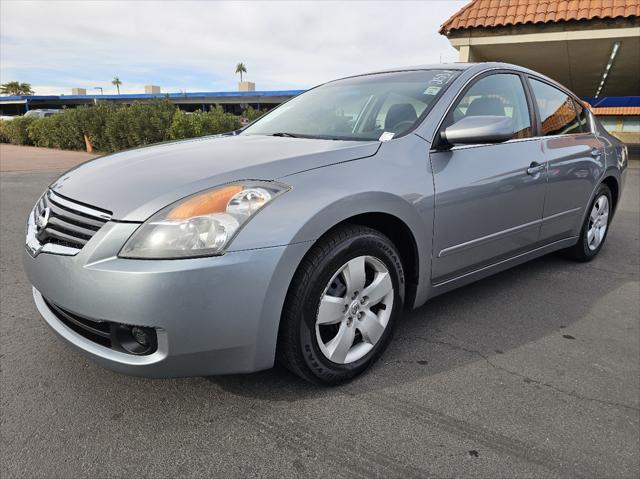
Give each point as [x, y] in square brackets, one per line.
[354, 309]
[598, 222]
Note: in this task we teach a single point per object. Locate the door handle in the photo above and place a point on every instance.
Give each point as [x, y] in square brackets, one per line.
[596, 153]
[535, 168]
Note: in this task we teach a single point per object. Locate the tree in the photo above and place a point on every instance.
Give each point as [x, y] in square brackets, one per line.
[240, 68]
[16, 88]
[116, 81]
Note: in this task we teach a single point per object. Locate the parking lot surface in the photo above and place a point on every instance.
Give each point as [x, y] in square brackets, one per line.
[28, 158]
[531, 373]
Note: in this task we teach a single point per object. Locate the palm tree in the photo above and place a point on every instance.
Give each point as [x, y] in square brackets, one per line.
[240, 68]
[116, 81]
[15, 88]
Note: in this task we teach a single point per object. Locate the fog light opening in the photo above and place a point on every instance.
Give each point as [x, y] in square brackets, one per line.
[141, 336]
[136, 339]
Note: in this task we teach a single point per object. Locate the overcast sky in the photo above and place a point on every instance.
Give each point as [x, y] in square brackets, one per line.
[194, 46]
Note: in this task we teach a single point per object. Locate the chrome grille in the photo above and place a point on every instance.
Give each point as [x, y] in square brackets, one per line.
[64, 222]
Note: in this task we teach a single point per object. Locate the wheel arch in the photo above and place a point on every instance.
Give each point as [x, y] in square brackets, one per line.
[612, 182]
[395, 217]
[401, 236]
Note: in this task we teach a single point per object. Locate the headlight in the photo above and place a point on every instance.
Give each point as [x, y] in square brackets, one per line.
[200, 225]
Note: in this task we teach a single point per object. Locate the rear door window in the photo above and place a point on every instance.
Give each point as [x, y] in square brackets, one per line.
[558, 113]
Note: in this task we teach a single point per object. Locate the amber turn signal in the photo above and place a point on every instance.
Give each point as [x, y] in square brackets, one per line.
[214, 201]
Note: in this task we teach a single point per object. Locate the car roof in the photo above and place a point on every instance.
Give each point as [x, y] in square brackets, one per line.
[460, 66]
[453, 66]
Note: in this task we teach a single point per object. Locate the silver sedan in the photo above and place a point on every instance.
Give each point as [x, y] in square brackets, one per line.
[303, 237]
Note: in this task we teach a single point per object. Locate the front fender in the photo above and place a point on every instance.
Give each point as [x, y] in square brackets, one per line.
[322, 198]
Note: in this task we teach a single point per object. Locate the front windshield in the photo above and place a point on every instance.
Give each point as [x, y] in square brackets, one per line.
[358, 108]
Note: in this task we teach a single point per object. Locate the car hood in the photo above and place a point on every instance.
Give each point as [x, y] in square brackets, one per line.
[135, 184]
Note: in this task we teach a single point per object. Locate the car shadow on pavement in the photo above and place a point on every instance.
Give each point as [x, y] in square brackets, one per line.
[475, 323]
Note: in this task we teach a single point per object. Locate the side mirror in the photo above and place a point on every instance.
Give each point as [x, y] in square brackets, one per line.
[479, 129]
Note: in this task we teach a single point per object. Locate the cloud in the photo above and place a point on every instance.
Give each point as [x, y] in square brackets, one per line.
[194, 46]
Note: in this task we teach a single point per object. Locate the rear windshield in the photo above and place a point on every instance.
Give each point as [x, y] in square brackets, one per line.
[358, 108]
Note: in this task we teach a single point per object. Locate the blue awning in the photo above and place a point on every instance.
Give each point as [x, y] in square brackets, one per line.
[148, 96]
[613, 101]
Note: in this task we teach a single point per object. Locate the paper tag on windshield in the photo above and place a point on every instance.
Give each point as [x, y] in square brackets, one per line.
[432, 90]
[386, 136]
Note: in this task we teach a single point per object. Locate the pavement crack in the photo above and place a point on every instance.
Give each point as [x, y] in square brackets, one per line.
[524, 376]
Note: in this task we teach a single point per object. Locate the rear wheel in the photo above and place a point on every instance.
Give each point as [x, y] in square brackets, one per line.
[342, 305]
[595, 227]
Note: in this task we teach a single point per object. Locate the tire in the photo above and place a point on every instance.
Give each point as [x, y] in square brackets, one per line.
[588, 245]
[324, 287]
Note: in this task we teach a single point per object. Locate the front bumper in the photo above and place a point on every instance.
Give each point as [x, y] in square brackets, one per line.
[215, 315]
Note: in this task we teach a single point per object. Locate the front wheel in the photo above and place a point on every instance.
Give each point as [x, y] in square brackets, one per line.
[342, 305]
[595, 227]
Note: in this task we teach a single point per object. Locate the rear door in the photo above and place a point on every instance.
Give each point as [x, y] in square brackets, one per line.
[489, 198]
[575, 158]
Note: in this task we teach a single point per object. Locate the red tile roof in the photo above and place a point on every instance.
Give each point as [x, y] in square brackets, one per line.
[500, 13]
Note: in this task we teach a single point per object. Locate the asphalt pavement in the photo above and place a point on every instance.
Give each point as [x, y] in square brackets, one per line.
[531, 373]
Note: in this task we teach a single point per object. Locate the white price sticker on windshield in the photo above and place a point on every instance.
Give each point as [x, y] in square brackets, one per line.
[432, 90]
[386, 136]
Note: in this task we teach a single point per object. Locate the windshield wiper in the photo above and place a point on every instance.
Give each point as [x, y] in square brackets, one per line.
[320, 137]
[288, 135]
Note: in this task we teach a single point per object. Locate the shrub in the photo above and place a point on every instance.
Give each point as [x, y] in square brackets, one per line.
[116, 127]
[3, 135]
[62, 130]
[252, 114]
[38, 134]
[16, 130]
[182, 125]
[114, 136]
[199, 123]
[148, 122]
[92, 121]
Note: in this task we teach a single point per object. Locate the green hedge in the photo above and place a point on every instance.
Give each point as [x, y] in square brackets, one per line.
[16, 131]
[191, 125]
[58, 131]
[253, 114]
[116, 127]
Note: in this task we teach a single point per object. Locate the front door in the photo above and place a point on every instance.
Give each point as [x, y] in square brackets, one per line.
[489, 198]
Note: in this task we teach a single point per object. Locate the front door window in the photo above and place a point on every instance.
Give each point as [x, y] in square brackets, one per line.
[497, 95]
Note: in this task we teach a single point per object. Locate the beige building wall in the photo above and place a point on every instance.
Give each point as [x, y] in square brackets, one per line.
[246, 86]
